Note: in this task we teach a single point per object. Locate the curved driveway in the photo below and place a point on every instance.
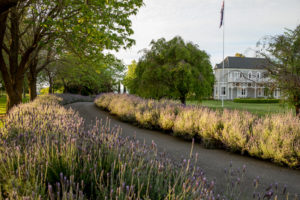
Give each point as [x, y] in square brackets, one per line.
[211, 161]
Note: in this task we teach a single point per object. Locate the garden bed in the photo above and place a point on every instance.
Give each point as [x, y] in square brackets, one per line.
[273, 137]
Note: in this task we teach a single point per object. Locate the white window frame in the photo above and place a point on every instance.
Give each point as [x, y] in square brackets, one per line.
[258, 75]
[276, 93]
[265, 92]
[259, 92]
[250, 75]
[241, 92]
[236, 75]
[221, 94]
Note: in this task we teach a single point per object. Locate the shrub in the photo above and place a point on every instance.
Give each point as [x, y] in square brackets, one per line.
[275, 137]
[248, 100]
[46, 154]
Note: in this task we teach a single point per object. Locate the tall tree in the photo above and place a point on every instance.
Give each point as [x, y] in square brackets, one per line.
[172, 69]
[86, 28]
[283, 55]
[130, 76]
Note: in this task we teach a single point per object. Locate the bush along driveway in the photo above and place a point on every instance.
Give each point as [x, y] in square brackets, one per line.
[273, 137]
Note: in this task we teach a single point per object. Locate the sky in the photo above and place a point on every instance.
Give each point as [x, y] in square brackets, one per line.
[246, 22]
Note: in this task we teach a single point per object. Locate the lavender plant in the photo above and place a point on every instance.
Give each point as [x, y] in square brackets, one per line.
[46, 154]
[274, 137]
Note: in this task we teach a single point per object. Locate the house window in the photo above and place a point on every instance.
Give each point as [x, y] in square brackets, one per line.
[276, 93]
[243, 92]
[241, 74]
[250, 75]
[223, 91]
[265, 92]
[258, 75]
[259, 92]
[236, 75]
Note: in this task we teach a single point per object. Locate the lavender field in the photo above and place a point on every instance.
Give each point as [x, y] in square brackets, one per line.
[46, 154]
[273, 137]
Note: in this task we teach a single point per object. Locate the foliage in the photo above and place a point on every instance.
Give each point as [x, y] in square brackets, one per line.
[171, 69]
[239, 55]
[249, 100]
[87, 77]
[130, 77]
[283, 55]
[45, 154]
[273, 137]
[85, 28]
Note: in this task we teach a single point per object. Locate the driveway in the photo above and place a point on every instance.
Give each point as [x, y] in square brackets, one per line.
[211, 161]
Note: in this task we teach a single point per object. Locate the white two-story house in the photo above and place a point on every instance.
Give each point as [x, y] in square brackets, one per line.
[243, 77]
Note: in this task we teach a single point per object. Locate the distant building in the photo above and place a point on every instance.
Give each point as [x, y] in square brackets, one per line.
[243, 77]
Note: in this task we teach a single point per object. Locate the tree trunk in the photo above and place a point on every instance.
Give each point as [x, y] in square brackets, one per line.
[7, 4]
[119, 88]
[32, 80]
[32, 88]
[12, 100]
[183, 100]
[14, 93]
[297, 110]
[50, 85]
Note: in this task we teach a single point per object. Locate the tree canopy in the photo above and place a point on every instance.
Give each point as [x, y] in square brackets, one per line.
[85, 28]
[84, 76]
[283, 55]
[171, 69]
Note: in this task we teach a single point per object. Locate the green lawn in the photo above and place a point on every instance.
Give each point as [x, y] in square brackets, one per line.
[255, 108]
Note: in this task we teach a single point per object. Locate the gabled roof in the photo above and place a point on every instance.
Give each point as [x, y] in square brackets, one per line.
[243, 63]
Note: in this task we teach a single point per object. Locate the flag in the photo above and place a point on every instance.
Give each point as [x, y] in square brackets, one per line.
[222, 14]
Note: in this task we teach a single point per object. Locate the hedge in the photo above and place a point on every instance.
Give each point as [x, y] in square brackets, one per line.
[248, 100]
[274, 137]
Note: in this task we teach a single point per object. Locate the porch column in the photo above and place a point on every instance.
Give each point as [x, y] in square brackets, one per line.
[227, 94]
[255, 90]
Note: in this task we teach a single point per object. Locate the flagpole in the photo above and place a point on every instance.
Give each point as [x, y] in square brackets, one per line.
[223, 52]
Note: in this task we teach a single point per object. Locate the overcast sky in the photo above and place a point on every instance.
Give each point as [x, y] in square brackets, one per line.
[246, 22]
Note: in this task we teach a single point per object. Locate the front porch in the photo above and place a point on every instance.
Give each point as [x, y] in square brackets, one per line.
[230, 91]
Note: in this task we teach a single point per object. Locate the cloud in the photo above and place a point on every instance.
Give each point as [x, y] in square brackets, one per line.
[246, 22]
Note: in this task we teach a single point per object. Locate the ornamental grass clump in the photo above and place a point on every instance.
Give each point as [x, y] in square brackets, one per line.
[46, 154]
[236, 129]
[276, 137]
[273, 137]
